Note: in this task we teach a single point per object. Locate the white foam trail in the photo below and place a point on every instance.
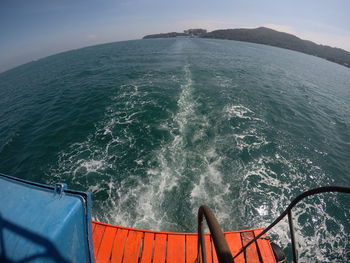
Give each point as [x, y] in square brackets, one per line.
[173, 168]
[144, 201]
[150, 196]
[239, 111]
[211, 189]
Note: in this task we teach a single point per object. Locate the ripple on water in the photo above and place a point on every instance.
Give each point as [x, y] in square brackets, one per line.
[156, 128]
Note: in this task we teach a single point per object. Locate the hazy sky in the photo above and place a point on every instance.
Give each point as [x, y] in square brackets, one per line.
[32, 29]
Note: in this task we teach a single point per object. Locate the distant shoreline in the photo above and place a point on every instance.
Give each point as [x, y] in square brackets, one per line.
[267, 36]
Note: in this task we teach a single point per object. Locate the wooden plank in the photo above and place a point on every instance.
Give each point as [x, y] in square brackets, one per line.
[251, 253]
[176, 249]
[132, 247]
[147, 250]
[208, 248]
[119, 245]
[191, 248]
[235, 244]
[97, 237]
[114, 244]
[104, 253]
[265, 249]
[160, 244]
[215, 257]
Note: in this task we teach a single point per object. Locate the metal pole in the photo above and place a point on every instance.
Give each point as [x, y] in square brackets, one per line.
[222, 250]
[292, 236]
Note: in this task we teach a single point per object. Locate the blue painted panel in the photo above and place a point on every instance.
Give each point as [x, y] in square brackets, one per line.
[37, 224]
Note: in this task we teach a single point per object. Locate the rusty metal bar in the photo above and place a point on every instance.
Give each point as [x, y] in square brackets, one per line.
[222, 250]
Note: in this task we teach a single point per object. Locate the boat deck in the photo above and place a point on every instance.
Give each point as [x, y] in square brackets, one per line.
[122, 244]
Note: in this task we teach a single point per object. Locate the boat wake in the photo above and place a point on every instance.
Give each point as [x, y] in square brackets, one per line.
[163, 149]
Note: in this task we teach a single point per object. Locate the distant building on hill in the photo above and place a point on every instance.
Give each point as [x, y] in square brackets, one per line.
[195, 32]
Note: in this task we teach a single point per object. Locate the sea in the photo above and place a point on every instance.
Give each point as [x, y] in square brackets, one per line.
[155, 128]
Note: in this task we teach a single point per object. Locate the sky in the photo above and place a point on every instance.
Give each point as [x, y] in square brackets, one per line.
[33, 29]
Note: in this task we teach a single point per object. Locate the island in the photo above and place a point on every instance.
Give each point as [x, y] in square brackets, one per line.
[196, 32]
[267, 36]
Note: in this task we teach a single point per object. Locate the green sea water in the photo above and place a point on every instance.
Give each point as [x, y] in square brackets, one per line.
[155, 128]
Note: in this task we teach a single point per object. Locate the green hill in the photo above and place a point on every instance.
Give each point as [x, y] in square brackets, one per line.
[267, 36]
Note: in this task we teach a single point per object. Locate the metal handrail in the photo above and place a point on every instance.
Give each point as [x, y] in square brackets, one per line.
[222, 250]
[287, 211]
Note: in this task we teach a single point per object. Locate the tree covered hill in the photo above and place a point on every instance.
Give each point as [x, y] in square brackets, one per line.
[267, 36]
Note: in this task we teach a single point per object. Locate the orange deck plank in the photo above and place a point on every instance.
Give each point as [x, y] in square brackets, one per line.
[147, 250]
[208, 248]
[104, 252]
[132, 247]
[97, 237]
[118, 246]
[215, 257]
[191, 248]
[251, 253]
[235, 244]
[176, 249]
[160, 248]
[265, 249]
